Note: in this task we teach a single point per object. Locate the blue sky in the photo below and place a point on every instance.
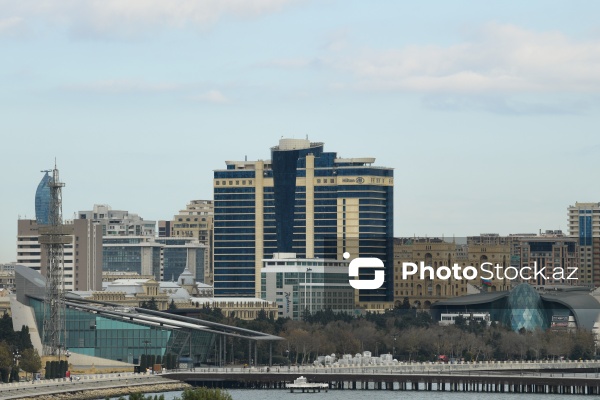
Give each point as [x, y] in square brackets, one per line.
[488, 111]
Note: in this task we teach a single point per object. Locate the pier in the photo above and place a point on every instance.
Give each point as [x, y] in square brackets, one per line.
[547, 383]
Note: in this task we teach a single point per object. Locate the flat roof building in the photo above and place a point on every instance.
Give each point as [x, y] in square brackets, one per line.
[305, 201]
[302, 285]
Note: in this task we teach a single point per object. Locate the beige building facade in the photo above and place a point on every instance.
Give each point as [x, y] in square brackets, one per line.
[82, 257]
[584, 225]
[196, 221]
[438, 252]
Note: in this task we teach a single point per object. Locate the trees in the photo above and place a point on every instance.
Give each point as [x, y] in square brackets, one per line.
[30, 361]
[203, 393]
[5, 361]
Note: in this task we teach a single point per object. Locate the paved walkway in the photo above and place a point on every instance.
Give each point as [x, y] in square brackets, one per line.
[85, 382]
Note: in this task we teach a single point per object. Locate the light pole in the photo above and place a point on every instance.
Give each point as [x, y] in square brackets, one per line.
[394, 346]
[16, 357]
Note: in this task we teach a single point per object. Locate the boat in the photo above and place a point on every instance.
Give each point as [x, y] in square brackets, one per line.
[302, 383]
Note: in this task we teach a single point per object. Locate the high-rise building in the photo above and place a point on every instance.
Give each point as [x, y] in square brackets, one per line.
[196, 221]
[82, 256]
[118, 222]
[304, 201]
[42, 200]
[584, 224]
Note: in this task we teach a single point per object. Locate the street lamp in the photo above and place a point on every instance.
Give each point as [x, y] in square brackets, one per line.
[394, 346]
[16, 357]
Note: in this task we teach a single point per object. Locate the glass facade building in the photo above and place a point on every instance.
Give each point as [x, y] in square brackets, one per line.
[120, 339]
[42, 200]
[526, 308]
[163, 258]
[306, 201]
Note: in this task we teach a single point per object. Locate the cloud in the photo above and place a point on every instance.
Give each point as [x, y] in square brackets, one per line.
[122, 87]
[134, 18]
[495, 59]
[211, 96]
[10, 26]
[196, 91]
[288, 63]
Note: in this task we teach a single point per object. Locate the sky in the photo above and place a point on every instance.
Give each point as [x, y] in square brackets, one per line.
[488, 111]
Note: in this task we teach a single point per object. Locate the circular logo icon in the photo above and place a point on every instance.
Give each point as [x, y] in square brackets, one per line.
[360, 179]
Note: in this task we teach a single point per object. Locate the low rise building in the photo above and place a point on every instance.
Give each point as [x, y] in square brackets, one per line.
[306, 285]
[246, 308]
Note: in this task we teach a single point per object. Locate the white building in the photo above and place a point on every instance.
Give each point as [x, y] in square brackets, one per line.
[306, 285]
[118, 222]
[450, 318]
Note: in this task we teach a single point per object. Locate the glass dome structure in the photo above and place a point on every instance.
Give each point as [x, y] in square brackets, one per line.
[525, 309]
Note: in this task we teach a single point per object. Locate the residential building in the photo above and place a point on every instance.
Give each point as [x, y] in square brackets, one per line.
[300, 285]
[196, 221]
[584, 224]
[164, 228]
[82, 256]
[546, 251]
[304, 201]
[118, 222]
[490, 248]
[434, 252]
[438, 252]
[162, 258]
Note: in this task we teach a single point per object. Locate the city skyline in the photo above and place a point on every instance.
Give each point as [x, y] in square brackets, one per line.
[487, 112]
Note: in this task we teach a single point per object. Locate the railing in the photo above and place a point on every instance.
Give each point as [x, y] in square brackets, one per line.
[416, 367]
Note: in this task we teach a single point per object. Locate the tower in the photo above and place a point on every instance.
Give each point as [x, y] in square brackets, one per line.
[42, 199]
[305, 201]
[53, 238]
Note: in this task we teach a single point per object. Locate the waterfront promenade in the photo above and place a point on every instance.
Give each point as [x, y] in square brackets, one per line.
[537, 377]
[85, 383]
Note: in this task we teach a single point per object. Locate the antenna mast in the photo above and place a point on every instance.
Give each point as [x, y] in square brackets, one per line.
[53, 237]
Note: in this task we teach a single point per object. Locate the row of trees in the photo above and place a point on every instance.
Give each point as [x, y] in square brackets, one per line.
[408, 334]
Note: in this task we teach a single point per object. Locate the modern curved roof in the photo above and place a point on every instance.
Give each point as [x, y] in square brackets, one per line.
[480, 298]
[584, 306]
